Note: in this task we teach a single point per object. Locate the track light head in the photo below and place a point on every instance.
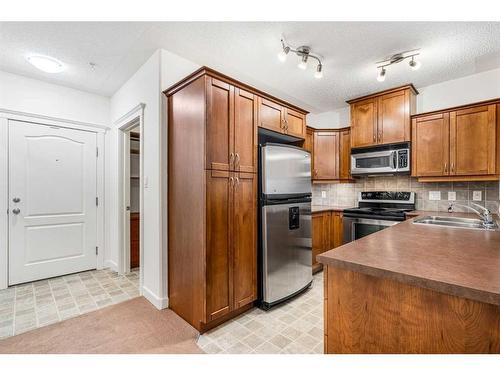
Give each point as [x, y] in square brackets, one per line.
[414, 64]
[381, 75]
[319, 71]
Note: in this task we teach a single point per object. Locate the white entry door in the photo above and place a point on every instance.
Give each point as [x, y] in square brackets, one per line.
[52, 201]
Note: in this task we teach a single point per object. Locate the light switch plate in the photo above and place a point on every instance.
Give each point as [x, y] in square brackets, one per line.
[434, 195]
[477, 195]
[323, 194]
[452, 196]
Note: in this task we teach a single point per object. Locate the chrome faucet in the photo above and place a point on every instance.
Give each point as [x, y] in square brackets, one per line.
[486, 215]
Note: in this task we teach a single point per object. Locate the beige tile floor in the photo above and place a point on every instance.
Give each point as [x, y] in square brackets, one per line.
[28, 306]
[295, 327]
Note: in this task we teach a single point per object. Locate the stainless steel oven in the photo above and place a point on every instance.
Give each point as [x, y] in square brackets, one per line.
[389, 159]
[356, 228]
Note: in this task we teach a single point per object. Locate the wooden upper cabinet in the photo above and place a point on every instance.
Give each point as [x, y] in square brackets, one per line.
[459, 144]
[326, 155]
[393, 117]
[278, 118]
[382, 118]
[472, 141]
[430, 147]
[220, 124]
[345, 155]
[245, 131]
[364, 123]
[295, 123]
[245, 239]
[271, 115]
[308, 140]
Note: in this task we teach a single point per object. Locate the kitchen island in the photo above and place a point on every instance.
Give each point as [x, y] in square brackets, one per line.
[414, 289]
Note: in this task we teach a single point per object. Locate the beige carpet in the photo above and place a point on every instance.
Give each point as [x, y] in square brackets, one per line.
[133, 326]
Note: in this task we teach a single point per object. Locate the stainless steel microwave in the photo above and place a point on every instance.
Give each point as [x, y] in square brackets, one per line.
[389, 159]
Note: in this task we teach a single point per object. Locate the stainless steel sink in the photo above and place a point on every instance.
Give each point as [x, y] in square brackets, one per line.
[455, 222]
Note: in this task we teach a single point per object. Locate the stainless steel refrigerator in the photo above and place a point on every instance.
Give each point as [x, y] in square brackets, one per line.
[285, 253]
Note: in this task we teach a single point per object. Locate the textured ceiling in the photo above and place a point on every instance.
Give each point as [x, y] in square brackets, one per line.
[248, 51]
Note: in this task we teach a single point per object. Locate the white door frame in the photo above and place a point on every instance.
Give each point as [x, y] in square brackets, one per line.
[133, 118]
[5, 116]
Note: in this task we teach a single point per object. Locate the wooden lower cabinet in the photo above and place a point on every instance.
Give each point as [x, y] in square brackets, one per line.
[365, 314]
[326, 234]
[231, 264]
[134, 239]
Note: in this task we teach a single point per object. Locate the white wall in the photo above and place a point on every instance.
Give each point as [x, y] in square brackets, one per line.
[465, 90]
[18, 93]
[470, 89]
[161, 70]
[329, 120]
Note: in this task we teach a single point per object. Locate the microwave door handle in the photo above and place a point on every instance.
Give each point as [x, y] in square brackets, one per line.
[394, 159]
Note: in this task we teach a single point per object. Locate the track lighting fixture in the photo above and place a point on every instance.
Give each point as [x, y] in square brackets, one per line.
[395, 59]
[304, 53]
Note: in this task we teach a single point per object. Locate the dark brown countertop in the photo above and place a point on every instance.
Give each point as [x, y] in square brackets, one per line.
[318, 208]
[461, 262]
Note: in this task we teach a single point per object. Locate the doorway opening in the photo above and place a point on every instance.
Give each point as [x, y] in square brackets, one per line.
[131, 195]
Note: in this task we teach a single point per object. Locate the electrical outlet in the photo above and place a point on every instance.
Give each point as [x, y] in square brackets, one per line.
[477, 195]
[434, 195]
[323, 194]
[452, 196]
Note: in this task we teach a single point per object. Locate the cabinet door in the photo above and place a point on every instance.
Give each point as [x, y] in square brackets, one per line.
[394, 117]
[338, 229]
[326, 155]
[472, 141]
[345, 154]
[270, 115]
[220, 117]
[320, 232]
[308, 141]
[245, 131]
[219, 200]
[364, 123]
[295, 123]
[430, 148]
[245, 239]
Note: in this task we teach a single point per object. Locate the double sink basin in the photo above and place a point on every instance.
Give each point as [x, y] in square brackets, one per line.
[454, 222]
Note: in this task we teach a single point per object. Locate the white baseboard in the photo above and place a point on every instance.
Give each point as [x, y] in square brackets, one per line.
[158, 302]
[111, 264]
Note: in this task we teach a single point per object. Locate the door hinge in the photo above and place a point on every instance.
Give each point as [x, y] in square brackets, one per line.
[97, 201]
[97, 152]
[97, 250]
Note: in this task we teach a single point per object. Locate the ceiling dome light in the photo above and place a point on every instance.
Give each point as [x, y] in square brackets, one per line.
[303, 62]
[381, 75]
[319, 71]
[414, 64]
[282, 55]
[46, 64]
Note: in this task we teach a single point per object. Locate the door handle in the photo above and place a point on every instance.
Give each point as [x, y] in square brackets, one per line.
[231, 158]
[237, 160]
[16, 200]
[445, 167]
[231, 181]
[16, 211]
[237, 181]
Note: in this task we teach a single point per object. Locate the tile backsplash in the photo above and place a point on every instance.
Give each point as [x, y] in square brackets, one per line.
[347, 194]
